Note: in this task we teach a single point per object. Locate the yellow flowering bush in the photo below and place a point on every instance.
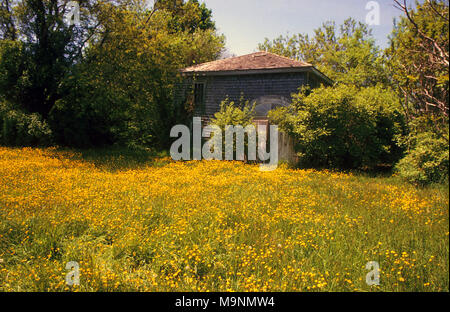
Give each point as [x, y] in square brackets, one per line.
[213, 226]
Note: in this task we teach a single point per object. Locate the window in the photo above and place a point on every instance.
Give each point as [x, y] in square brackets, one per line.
[199, 97]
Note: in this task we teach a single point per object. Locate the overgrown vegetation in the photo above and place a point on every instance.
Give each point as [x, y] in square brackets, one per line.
[418, 61]
[358, 121]
[21, 129]
[354, 123]
[427, 160]
[235, 115]
[343, 127]
[135, 220]
[136, 223]
[108, 80]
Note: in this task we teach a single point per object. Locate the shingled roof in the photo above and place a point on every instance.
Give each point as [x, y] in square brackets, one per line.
[254, 61]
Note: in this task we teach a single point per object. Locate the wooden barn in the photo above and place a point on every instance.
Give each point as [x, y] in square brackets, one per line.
[265, 78]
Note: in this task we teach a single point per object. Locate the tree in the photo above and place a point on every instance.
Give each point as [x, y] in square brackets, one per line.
[7, 27]
[187, 16]
[47, 47]
[419, 59]
[348, 55]
[353, 124]
[126, 80]
[110, 78]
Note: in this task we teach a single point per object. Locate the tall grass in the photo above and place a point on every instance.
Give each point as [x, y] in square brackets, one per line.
[145, 223]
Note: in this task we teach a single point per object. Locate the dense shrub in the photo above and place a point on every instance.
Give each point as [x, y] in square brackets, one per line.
[20, 129]
[343, 127]
[82, 118]
[427, 160]
[232, 114]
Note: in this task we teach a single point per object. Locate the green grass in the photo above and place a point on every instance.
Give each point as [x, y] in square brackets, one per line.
[136, 221]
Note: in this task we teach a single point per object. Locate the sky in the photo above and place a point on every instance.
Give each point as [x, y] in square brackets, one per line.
[245, 23]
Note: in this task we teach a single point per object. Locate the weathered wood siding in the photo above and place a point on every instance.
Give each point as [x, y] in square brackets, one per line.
[218, 88]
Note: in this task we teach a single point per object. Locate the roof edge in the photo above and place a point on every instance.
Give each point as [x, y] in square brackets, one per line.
[322, 75]
[285, 70]
[247, 71]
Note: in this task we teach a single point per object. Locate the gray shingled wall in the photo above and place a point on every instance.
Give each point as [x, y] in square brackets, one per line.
[217, 88]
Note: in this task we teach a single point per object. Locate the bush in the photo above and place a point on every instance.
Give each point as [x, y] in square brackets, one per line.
[343, 127]
[21, 129]
[427, 161]
[231, 114]
[78, 123]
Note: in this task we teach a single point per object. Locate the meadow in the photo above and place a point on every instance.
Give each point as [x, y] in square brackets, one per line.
[138, 222]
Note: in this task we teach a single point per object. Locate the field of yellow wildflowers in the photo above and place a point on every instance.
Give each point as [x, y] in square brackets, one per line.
[159, 225]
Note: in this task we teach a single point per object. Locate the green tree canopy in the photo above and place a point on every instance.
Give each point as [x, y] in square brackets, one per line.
[109, 78]
[347, 54]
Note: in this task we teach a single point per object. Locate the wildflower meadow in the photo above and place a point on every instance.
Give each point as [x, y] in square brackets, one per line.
[147, 223]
